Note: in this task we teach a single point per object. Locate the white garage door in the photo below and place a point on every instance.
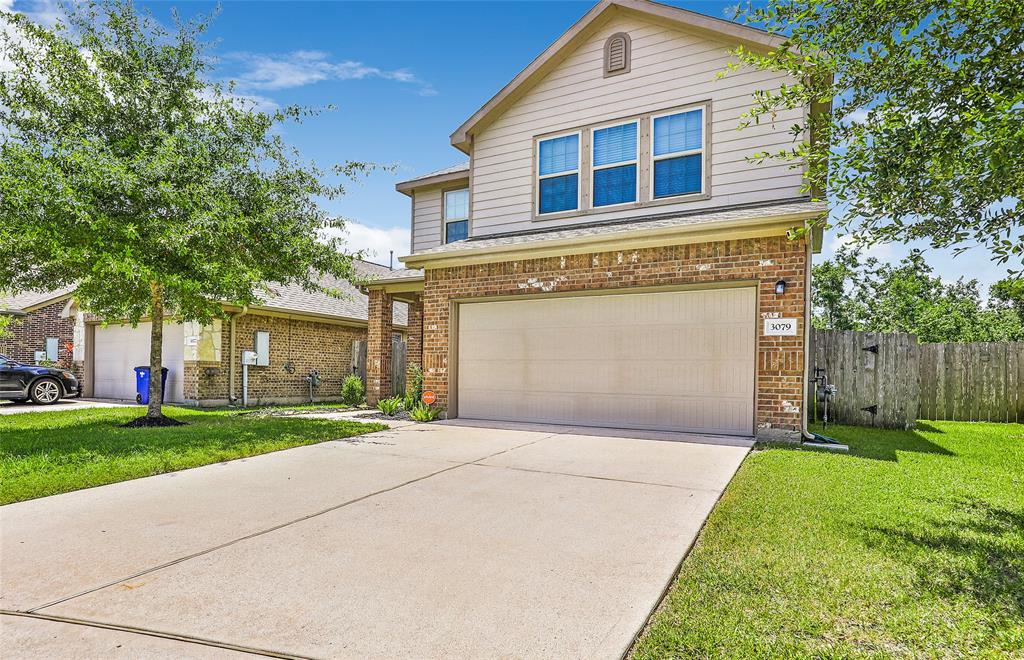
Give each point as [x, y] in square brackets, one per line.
[121, 348]
[681, 360]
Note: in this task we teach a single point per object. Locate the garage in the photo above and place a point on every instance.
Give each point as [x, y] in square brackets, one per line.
[673, 360]
[121, 348]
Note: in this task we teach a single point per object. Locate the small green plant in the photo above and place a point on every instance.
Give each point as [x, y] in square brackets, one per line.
[425, 413]
[352, 390]
[415, 383]
[390, 407]
[409, 401]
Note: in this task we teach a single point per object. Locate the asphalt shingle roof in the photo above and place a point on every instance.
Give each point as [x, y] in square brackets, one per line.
[288, 298]
[454, 169]
[352, 305]
[25, 299]
[583, 231]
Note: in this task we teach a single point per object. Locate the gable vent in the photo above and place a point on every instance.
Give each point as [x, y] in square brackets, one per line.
[616, 54]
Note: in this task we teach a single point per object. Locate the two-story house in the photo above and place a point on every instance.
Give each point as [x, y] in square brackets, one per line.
[610, 255]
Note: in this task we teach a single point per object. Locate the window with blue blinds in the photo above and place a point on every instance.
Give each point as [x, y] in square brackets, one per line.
[678, 153]
[456, 231]
[614, 161]
[456, 215]
[558, 168]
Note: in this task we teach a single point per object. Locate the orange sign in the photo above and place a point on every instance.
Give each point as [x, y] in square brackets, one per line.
[429, 397]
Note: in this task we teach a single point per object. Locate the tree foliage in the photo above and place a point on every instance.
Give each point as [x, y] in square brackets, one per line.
[851, 293]
[925, 137]
[124, 170]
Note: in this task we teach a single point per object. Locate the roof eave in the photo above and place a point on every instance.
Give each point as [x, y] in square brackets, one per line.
[608, 240]
[407, 187]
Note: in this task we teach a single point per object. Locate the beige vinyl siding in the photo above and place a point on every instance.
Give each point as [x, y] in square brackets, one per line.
[670, 68]
[426, 219]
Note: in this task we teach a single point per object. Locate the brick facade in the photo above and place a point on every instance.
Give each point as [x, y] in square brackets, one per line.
[780, 360]
[378, 346]
[27, 334]
[414, 338]
[298, 344]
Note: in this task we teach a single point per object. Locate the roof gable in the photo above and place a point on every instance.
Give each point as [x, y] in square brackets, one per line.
[583, 29]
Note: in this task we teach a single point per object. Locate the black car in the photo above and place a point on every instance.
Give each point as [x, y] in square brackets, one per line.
[44, 385]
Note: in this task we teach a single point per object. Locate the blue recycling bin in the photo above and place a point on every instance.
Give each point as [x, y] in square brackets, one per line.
[142, 384]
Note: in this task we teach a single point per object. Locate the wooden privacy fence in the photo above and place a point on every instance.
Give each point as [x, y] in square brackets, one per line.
[889, 380]
[981, 382]
[398, 359]
[875, 375]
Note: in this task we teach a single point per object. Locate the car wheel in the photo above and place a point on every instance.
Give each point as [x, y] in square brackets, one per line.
[45, 391]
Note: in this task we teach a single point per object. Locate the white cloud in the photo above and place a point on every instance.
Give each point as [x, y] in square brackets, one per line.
[306, 67]
[377, 242]
[881, 251]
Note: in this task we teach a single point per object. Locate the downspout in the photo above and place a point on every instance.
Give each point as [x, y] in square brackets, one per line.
[806, 437]
[804, 432]
[231, 358]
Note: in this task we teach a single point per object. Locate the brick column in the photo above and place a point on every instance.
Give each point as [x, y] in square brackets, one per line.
[414, 339]
[378, 346]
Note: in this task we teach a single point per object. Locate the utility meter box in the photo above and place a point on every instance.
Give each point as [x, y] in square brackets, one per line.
[249, 358]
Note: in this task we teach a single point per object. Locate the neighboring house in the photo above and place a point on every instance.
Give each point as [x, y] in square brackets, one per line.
[610, 255]
[292, 332]
[43, 329]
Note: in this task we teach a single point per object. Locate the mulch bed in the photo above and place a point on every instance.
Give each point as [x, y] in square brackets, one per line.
[147, 422]
[401, 414]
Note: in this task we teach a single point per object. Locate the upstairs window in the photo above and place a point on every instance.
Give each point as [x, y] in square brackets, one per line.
[558, 174]
[456, 215]
[678, 153]
[614, 164]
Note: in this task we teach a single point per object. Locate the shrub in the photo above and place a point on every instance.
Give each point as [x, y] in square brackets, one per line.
[415, 383]
[352, 391]
[425, 413]
[409, 401]
[390, 406]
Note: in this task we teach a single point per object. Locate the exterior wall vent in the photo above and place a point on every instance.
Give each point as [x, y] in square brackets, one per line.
[616, 54]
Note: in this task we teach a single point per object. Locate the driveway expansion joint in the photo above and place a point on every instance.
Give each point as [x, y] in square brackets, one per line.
[185, 639]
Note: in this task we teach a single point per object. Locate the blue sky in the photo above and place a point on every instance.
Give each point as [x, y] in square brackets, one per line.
[403, 76]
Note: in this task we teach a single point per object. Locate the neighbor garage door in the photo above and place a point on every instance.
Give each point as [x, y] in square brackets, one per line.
[121, 348]
[680, 360]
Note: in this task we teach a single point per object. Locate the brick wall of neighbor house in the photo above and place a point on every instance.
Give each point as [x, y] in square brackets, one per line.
[326, 347]
[27, 334]
[779, 359]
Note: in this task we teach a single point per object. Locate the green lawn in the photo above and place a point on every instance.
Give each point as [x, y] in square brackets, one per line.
[911, 545]
[44, 453]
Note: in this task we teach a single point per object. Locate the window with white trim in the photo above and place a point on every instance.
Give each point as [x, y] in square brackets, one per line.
[678, 154]
[456, 215]
[614, 164]
[558, 174]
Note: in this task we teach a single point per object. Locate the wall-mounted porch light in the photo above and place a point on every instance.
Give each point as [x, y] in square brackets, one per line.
[780, 287]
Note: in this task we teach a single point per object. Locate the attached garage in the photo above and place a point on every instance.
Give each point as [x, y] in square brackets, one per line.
[121, 348]
[673, 360]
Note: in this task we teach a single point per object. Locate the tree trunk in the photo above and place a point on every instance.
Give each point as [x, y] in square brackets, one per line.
[156, 344]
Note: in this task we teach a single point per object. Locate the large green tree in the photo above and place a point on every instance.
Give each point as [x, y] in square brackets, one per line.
[925, 135]
[125, 171]
[853, 293]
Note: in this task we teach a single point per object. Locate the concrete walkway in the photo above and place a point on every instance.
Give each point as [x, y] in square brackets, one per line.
[453, 539]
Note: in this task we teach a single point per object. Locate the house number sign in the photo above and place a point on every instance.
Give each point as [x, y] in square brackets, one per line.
[780, 327]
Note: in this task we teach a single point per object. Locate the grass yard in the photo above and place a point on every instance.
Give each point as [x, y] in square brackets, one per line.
[45, 453]
[911, 545]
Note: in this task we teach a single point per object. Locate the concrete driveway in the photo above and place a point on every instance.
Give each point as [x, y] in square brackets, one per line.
[12, 408]
[441, 540]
